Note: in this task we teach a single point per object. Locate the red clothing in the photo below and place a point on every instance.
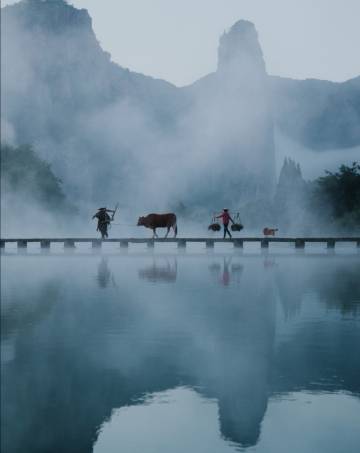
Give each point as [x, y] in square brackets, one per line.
[225, 278]
[225, 218]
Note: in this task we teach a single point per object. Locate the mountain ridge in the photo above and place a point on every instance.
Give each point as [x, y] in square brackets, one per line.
[80, 109]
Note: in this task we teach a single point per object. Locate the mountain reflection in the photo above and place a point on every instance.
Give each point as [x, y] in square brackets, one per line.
[79, 359]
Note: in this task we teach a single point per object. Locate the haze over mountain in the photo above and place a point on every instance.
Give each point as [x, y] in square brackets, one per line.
[111, 134]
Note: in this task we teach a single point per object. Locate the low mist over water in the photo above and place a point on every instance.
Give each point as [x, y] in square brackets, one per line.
[188, 352]
[180, 264]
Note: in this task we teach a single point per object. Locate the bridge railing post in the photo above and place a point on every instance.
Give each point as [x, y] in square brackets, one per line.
[238, 243]
[124, 245]
[150, 243]
[2, 244]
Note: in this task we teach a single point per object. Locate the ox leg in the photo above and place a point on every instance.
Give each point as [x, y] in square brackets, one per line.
[167, 233]
[154, 233]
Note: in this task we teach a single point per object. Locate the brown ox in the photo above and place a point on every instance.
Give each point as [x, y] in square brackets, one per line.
[154, 221]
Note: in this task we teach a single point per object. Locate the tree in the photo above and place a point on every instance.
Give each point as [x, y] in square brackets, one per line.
[28, 177]
[336, 196]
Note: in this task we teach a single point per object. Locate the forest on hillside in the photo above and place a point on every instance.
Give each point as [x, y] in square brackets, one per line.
[24, 176]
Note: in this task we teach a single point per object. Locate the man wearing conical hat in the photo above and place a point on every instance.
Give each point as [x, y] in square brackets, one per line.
[103, 221]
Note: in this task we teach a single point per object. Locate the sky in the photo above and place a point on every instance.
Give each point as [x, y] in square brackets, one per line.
[177, 40]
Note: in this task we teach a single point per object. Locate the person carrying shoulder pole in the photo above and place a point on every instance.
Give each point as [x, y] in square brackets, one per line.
[225, 216]
[104, 220]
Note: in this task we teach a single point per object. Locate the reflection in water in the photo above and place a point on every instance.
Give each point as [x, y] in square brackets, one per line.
[226, 274]
[269, 263]
[105, 276]
[160, 272]
[74, 359]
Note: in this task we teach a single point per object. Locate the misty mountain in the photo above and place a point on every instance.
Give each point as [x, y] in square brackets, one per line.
[54, 69]
[112, 134]
[319, 114]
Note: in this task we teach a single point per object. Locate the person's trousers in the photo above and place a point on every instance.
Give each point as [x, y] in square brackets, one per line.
[226, 230]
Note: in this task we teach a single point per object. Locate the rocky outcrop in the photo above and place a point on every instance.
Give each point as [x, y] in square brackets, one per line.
[234, 107]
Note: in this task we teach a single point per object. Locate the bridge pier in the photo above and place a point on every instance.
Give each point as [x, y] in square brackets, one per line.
[238, 243]
[181, 244]
[124, 245]
[209, 244]
[299, 244]
[69, 244]
[21, 244]
[264, 243]
[330, 244]
[96, 244]
[45, 244]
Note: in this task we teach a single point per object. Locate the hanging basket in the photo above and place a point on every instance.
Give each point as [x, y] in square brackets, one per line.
[236, 227]
[214, 227]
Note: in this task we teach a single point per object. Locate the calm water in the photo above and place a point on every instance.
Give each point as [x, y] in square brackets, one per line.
[184, 353]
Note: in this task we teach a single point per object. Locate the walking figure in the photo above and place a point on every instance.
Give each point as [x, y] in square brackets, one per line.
[225, 216]
[103, 221]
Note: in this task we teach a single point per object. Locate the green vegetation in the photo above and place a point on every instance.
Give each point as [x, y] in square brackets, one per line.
[329, 204]
[26, 176]
[336, 197]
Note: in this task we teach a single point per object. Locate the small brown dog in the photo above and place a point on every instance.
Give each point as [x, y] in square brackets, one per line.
[269, 231]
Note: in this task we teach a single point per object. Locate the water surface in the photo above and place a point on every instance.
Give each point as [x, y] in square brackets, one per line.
[180, 353]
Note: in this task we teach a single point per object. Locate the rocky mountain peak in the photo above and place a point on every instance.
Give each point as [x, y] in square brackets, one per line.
[239, 48]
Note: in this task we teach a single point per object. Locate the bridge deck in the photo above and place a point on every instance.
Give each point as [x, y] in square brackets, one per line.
[181, 242]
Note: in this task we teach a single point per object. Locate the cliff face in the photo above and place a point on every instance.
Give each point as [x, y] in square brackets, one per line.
[234, 106]
[54, 69]
[112, 133]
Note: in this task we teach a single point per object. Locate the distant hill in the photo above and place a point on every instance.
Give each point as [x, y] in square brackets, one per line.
[26, 177]
[319, 114]
[112, 134]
